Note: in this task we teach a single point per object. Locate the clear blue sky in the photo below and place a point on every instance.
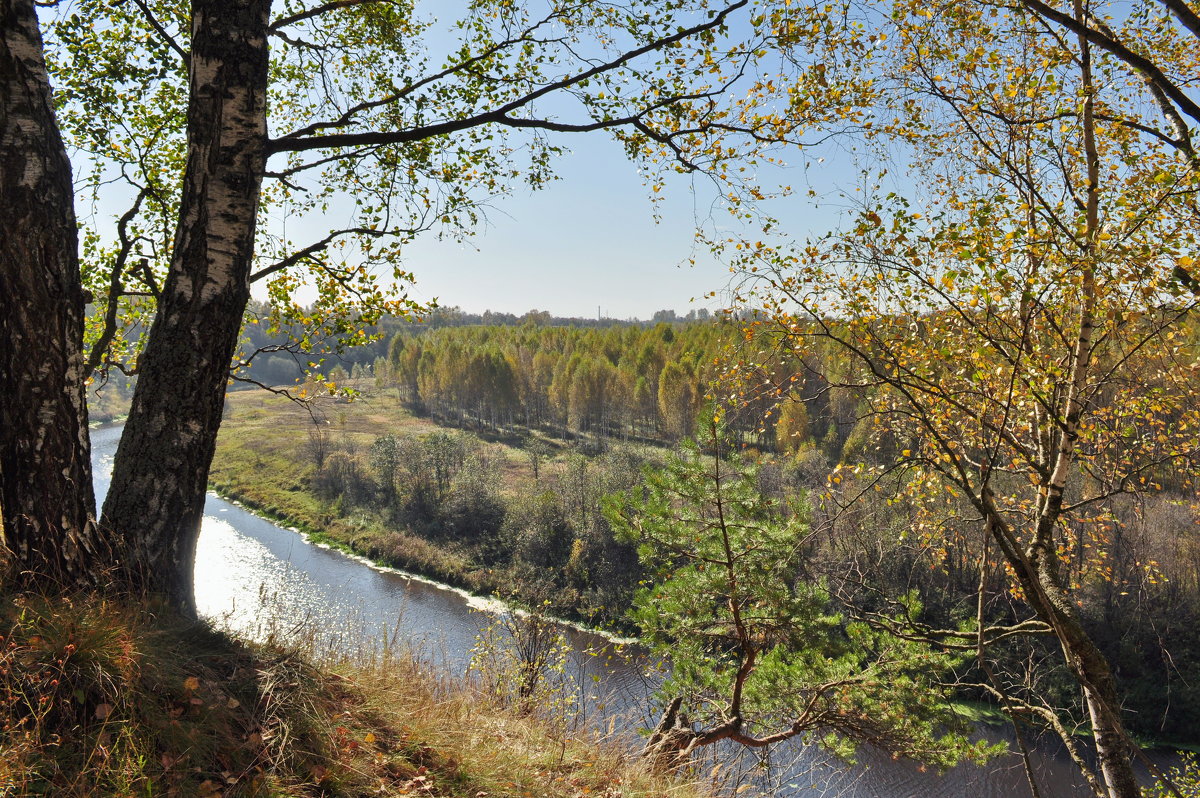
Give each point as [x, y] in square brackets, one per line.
[590, 240]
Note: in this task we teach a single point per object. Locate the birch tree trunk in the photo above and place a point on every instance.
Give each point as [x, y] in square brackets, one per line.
[160, 473]
[1114, 751]
[48, 537]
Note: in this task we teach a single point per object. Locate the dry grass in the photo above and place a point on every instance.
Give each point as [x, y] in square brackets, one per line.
[279, 429]
[360, 421]
[101, 698]
[502, 751]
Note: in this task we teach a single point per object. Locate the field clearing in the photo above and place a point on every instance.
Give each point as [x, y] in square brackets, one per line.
[279, 426]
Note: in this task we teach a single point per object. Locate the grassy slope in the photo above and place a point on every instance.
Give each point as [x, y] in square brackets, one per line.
[264, 439]
[261, 462]
[102, 698]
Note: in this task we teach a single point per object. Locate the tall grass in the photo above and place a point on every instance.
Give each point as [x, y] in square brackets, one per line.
[101, 698]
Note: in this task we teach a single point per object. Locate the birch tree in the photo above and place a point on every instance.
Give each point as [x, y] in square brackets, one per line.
[1022, 324]
[209, 114]
[47, 526]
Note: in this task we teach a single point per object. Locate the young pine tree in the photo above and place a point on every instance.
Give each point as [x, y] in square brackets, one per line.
[759, 654]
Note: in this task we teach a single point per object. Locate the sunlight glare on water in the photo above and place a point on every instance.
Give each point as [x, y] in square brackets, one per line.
[240, 583]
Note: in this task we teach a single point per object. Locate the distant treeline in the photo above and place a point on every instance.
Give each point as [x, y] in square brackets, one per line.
[644, 383]
[606, 377]
[627, 381]
[457, 317]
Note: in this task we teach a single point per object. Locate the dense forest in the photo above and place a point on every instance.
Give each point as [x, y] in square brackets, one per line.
[618, 380]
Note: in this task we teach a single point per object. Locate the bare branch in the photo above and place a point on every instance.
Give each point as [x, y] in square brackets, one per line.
[293, 143]
[167, 37]
[314, 248]
[334, 5]
[99, 351]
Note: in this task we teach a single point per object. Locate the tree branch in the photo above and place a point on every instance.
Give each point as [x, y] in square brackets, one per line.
[1110, 45]
[115, 288]
[314, 248]
[295, 143]
[334, 5]
[167, 37]
[1182, 12]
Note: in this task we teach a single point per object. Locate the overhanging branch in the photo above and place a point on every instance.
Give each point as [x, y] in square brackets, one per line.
[297, 143]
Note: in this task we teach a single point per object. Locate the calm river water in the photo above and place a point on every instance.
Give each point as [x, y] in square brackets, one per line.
[256, 577]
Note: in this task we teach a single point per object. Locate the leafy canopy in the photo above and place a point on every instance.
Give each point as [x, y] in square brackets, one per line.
[388, 119]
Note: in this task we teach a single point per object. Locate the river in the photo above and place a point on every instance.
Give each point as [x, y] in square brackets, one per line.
[257, 578]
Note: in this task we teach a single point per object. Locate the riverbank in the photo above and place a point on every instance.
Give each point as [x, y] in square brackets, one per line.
[264, 463]
[261, 464]
[515, 516]
[110, 698]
